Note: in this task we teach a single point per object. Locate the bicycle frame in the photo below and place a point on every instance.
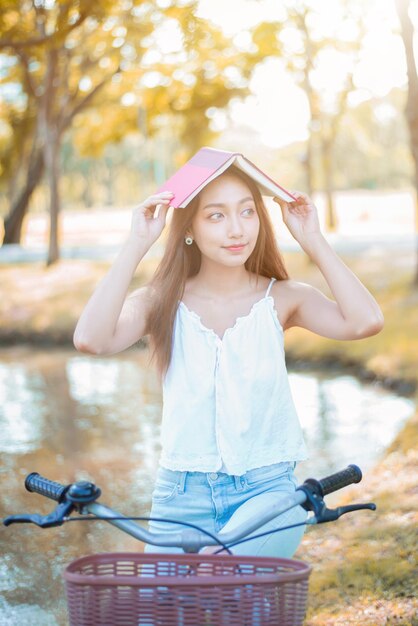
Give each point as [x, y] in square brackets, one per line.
[180, 589]
[191, 540]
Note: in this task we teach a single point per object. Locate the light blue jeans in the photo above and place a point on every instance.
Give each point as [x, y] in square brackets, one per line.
[216, 501]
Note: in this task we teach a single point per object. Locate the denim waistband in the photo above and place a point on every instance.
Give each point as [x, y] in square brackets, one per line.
[259, 473]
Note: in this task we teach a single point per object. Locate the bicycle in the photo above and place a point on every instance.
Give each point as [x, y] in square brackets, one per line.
[190, 589]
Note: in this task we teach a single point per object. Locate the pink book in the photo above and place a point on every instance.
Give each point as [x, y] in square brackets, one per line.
[207, 164]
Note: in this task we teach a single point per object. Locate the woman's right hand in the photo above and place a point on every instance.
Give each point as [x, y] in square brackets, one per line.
[146, 225]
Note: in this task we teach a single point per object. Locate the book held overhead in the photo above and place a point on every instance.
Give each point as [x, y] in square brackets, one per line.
[206, 165]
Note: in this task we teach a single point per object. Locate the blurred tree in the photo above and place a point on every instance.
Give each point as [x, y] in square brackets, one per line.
[306, 43]
[41, 38]
[94, 65]
[21, 164]
[371, 150]
[339, 42]
[411, 109]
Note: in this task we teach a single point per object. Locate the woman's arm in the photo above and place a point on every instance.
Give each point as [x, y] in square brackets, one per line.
[111, 321]
[355, 313]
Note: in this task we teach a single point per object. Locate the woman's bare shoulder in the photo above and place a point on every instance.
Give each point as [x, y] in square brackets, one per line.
[290, 287]
[287, 295]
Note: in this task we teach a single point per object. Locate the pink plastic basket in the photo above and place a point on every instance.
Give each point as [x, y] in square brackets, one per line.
[130, 589]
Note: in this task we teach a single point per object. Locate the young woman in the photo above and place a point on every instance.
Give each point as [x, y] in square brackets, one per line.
[216, 311]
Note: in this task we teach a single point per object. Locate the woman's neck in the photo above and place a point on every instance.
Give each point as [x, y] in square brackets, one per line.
[221, 282]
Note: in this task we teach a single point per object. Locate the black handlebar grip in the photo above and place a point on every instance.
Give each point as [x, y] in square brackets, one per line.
[45, 487]
[352, 474]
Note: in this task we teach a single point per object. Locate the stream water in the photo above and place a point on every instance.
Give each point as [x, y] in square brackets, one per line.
[70, 416]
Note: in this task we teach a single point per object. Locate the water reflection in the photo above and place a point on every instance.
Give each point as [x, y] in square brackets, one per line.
[23, 408]
[69, 416]
[345, 421]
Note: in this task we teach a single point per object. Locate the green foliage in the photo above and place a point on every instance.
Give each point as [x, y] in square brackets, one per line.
[114, 77]
[111, 65]
[371, 150]
[265, 36]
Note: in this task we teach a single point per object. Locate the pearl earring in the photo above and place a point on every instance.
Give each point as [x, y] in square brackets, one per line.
[188, 240]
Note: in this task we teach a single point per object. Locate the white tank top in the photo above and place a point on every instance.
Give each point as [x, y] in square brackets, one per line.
[227, 404]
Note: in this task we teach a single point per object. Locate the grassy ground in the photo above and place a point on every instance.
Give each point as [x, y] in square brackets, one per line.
[365, 566]
[366, 570]
[40, 304]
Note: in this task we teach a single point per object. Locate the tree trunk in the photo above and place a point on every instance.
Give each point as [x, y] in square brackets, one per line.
[14, 220]
[86, 195]
[411, 109]
[307, 164]
[52, 156]
[109, 183]
[312, 104]
[330, 218]
[415, 282]
[51, 142]
[412, 118]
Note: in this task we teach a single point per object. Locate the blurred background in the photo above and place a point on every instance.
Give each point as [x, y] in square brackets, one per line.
[99, 104]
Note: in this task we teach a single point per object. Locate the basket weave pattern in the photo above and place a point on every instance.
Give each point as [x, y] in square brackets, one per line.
[134, 589]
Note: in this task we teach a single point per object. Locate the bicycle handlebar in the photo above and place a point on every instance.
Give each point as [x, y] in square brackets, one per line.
[36, 483]
[80, 493]
[334, 482]
[81, 496]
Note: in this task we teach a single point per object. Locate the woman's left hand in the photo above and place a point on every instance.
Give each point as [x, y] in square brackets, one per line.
[300, 217]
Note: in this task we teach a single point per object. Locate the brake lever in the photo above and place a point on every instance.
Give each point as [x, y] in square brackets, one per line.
[333, 514]
[56, 518]
[315, 503]
[330, 515]
[73, 497]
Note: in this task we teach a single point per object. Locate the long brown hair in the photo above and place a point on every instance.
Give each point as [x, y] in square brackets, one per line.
[181, 261]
